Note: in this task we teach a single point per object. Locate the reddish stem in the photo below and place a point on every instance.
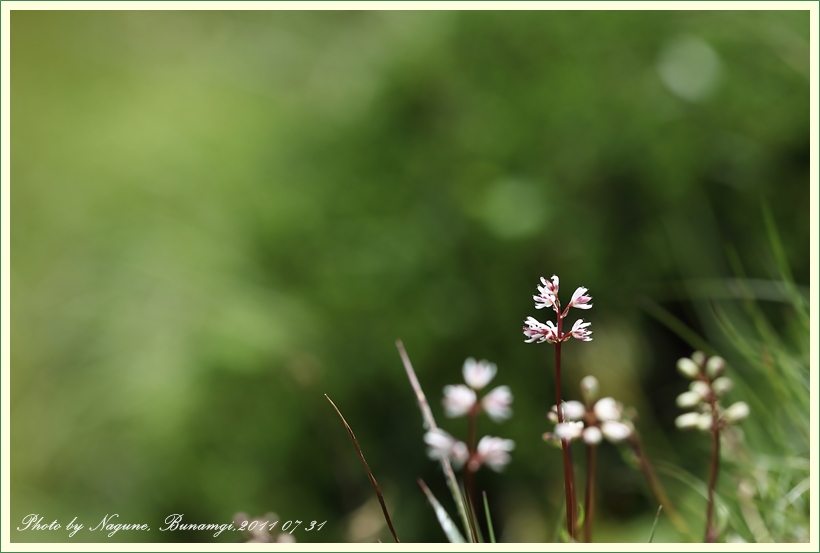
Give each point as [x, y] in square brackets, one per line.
[569, 479]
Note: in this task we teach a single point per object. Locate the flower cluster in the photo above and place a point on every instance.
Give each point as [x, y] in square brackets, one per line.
[599, 419]
[707, 388]
[536, 331]
[460, 400]
[491, 451]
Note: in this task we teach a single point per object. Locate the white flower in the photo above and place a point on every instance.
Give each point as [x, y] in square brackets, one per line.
[589, 388]
[580, 332]
[701, 388]
[552, 416]
[699, 358]
[573, 410]
[607, 409]
[494, 452]
[569, 430]
[687, 367]
[497, 403]
[715, 366]
[705, 421]
[592, 435]
[540, 332]
[689, 399]
[615, 431]
[458, 400]
[722, 385]
[580, 299]
[736, 412]
[478, 374]
[547, 293]
[444, 445]
[687, 420]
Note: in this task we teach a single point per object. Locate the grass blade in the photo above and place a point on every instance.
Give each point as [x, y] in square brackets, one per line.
[655, 524]
[489, 520]
[369, 472]
[430, 424]
[447, 524]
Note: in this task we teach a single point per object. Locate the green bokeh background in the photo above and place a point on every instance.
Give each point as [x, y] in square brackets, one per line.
[218, 217]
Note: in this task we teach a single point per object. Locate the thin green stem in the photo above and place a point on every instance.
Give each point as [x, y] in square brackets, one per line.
[657, 487]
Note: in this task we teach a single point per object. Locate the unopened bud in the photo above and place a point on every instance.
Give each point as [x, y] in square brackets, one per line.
[705, 422]
[688, 399]
[687, 367]
[699, 358]
[687, 420]
[569, 430]
[715, 366]
[589, 388]
[722, 385]
[592, 435]
[615, 431]
[701, 388]
[736, 412]
[573, 410]
[607, 409]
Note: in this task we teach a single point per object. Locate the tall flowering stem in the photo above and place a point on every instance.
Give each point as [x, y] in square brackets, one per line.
[539, 332]
[707, 388]
[569, 477]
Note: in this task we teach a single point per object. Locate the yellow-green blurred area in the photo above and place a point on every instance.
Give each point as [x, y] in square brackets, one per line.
[218, 217]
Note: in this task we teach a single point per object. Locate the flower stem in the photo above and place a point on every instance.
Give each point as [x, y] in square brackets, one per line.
[711, 531]
[569, 480]
[657, 487]
[592, 450]
[469, 475]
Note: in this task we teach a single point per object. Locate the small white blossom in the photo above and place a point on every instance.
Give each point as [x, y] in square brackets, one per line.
[687, 420]
[689, 399]
[687, 367]
[736, 412]
[458, 400]
[477, 374]
[493, 452]
[607, 409]
[592, 435]
[580, 332]
[715, 366]
[701, 388]
[699, 358]
[547, 293]
[722, 385]
[705, 421]
[589, 388]
[442, 444]
[497, 403]
[573, 410]
[552, 416]
[580, 299]
[569, 430]
[540, 332]
[615, 431]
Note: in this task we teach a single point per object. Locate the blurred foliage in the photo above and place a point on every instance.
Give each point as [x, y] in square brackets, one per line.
[220, 216]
